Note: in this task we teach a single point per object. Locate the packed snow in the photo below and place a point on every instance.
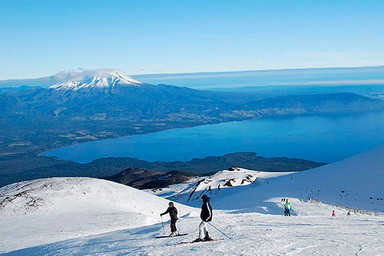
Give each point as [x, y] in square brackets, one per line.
[250, 234]
[99, 78]
[48, 210]
[250, 215]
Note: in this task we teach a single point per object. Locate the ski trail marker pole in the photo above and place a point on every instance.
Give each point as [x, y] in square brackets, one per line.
[219, 230]
[162, 223]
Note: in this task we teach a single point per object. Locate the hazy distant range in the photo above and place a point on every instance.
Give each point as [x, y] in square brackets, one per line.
[339, 79]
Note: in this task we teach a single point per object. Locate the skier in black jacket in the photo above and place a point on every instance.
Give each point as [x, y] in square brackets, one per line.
[173, 214]
[206, 216]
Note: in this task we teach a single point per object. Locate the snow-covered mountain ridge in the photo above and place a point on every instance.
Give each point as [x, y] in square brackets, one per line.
[219, 183]
[98, 78]
[234, 177]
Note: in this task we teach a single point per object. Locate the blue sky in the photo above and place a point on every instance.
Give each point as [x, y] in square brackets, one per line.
[39, 38]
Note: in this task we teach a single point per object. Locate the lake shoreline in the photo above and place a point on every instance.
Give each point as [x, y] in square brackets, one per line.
[35, 167]
[181, 133]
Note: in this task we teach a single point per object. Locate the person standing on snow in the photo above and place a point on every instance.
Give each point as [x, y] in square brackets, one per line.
[173, 215]
[333, 213]
[206, 216]
[287, 208]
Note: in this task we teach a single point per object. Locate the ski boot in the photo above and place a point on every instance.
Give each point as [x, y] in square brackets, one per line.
[207, 238]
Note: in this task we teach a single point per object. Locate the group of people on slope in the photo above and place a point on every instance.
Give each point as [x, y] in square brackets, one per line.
[288, 208]
[205, 215]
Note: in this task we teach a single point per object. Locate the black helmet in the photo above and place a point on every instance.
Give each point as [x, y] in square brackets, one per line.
[205, 197]
[170, 204]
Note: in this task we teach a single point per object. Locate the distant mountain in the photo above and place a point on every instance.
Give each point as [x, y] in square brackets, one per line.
[130, 175]
[314, 103]
[148, 179]
[105, 103]
[105, 95]
[91, 79]
[74, 78]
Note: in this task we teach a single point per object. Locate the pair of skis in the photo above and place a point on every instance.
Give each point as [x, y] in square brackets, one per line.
[187, 242]
[194, 242]
[164, 236]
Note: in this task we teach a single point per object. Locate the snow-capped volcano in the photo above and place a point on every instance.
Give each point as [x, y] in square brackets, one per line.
[98, 78]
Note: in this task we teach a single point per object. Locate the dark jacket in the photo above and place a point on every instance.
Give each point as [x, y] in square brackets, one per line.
[206, 210]
[172, 212]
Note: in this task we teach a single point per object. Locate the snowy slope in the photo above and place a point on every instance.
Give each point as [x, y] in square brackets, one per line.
[251, 234]
[251, 215]
[49, 210]
[354, 182]
[99, 78]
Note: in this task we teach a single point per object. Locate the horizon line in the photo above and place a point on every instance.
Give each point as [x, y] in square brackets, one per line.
[213, 72]
[259, 70]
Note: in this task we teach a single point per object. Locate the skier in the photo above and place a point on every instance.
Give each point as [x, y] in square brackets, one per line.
[173, 214]
[287, 208]
[349, 213]
[333, 213]
[206, 216]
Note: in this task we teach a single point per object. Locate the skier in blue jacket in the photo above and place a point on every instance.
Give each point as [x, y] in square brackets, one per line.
[287, 208]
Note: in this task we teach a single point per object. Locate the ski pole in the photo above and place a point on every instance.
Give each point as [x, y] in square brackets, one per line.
[162, 223]
[219, 230]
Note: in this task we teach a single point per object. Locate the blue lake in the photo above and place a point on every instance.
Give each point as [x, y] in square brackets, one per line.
[323, 138]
